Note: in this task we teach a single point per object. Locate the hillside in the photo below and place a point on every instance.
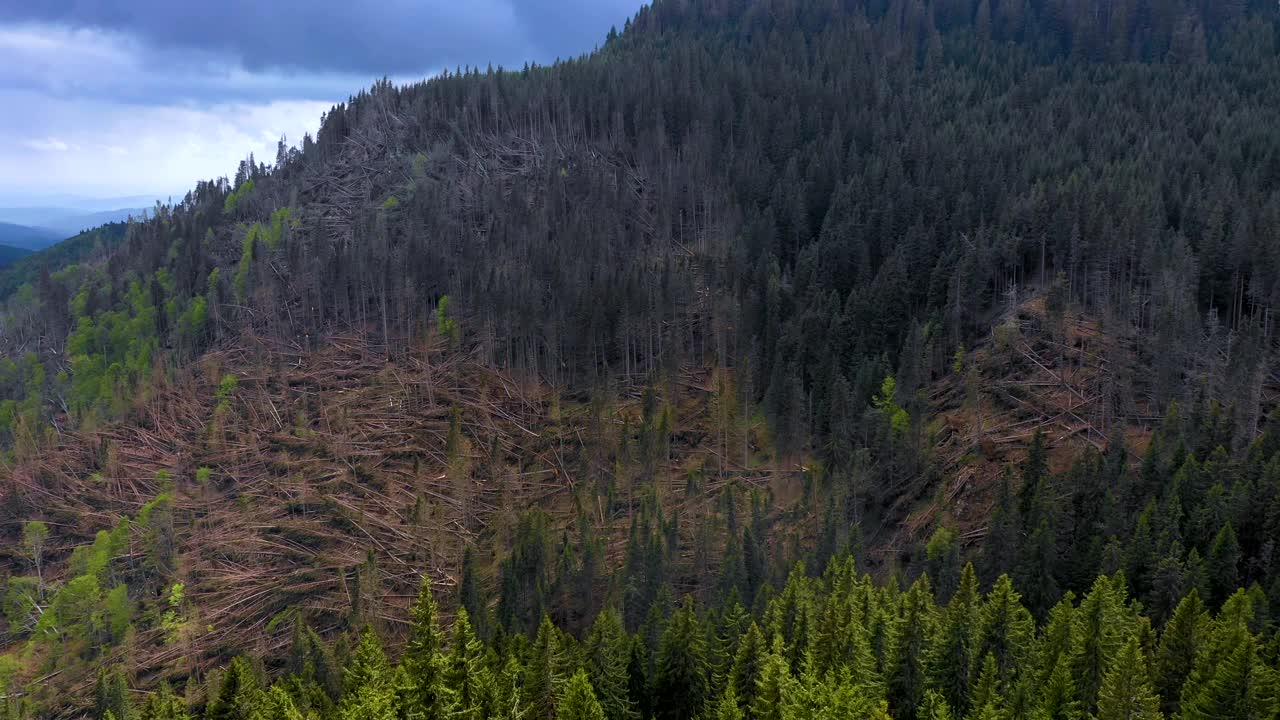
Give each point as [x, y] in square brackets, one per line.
[10, 255]
[757, 293]
[27, 238]
[89, 246]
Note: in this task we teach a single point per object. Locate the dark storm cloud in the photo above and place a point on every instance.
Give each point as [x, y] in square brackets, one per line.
[391, 37]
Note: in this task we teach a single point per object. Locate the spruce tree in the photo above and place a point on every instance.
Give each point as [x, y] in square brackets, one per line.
[986, 692]
[465, 673]
[1126, 692]
[1175, 656]
[726, 708]
[370, 692]
[368, 665]
[111, 694]
[1058, 697]
[579, 701]
[278, 705]
[933, 706]
[747, 666]
[469, 593]
[164, 705]
[951, 657]
[237, 696]
[1007, 630]
[681, 683]
[544, 671]
[1241, 686]
[608, 649]
[426, 695]
[776, 688]
[909, 670]
[1102, 624]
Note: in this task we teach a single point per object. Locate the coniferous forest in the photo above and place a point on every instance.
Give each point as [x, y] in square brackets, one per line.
[778, 359]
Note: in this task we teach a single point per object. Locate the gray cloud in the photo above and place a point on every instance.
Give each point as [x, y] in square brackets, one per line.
[134, 96]
[392, 37]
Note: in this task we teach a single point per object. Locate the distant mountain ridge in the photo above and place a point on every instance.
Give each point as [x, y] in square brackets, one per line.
[10, 255]
[27, 237]
[60, 223]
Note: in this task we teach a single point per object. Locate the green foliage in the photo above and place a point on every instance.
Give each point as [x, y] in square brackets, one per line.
[943, 555]
[1126, 692]
[579, 700]
[118, 612]
[111, 353]
[982, 659]
[466, 674]
[896, 418]
[237, 196]
[164, 705]
[238, 695]
[425, 692]
[111, 696]
[227, 387]
[22, 604]
[445, 323]
[680, 685]
[172, 621]
[607, 650]
[72, 614]
[240, 281]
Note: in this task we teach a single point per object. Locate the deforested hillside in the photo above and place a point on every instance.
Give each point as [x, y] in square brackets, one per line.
[755, 290]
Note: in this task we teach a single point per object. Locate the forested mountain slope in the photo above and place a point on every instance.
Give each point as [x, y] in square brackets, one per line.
[756, 282]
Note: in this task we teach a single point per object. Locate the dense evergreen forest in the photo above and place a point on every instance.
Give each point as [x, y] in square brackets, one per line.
[675, 367]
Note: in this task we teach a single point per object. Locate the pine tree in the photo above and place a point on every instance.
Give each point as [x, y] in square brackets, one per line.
[1182, 637]
[1126, 691]
[426, 696]
[368, 666]
[727, 707]
[465, 673]
[608, 650]
[1058, 698]
[111, 694]
[579, 700]
[469, 594]
[680, 683]
[164, 705]
[1241, 687]
[1102, 630]
[278, 705]
[1007, 630]
[909, 670]
[933, 707]
[238, 694]
[776, 688]
[544, 671]
[748, 664]
[951, 657]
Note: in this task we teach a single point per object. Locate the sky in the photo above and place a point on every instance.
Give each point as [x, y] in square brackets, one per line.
[127, 98]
